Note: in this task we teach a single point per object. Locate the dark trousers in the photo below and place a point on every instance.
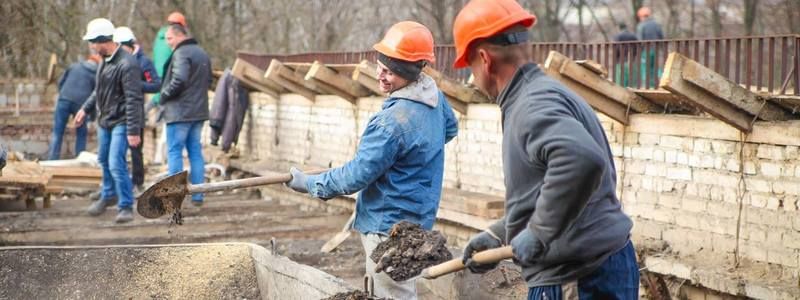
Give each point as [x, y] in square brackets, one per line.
[137, 162]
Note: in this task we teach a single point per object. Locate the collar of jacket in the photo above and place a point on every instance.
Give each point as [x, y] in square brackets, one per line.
[114, 55]
[527, 72]
[189, 41]
[422, 90]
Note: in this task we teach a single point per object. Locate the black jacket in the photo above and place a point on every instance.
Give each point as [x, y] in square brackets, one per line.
[118, 96]
[560, 179]
[228, 110]
[184, 91]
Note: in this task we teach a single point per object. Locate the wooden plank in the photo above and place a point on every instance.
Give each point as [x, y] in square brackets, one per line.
[792, 103]
[341, 81]
[468, 220]
[457, 105]
[298, 75]
[672, 80]
[723, 89]
[368, 82]
[601, 103]
[593, 66]
[456, 89]
[668, 101]
[51, 68]
[242, 71]
[74, 172]
[607, 88]
[366, 68]
[273, 73]
[481, 205]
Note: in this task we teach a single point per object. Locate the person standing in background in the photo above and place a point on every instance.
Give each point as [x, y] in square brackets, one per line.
[648, 30]
[74, 87]
[161, 54]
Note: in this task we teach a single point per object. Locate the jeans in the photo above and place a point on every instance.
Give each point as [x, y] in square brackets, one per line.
[137, 162]
[616, 278]
[186, 135]
[112, 150]
[65, 108]
[385, 286]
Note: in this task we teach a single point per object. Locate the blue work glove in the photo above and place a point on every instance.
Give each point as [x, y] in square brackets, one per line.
[526, 247]
[482, 241]
[298, 182]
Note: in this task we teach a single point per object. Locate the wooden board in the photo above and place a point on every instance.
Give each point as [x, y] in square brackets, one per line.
[456, 89]
[276, 72]
[672, 80]
[251, 77]
[341, 81]
[476, 204]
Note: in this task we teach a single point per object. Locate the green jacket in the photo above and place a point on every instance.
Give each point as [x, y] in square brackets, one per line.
[161, 55]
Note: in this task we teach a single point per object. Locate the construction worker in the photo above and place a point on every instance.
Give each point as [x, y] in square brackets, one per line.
[118, 99]
[399, 163]
[562, 219]
[161, 54]
[647, 30]
[74, 87]
[184, 96]
[151, 83]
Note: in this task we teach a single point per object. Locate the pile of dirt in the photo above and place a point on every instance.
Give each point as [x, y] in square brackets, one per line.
[409, 250]
[354, 295]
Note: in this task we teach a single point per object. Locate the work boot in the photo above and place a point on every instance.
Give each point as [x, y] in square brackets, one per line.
[99, 206]
[197, 203]
[124, 215]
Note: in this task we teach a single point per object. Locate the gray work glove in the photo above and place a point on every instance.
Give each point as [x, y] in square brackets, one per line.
[482, 241]
[298, 182]
[526, 248]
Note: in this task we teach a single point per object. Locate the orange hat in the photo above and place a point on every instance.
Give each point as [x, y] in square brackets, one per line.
[643, 12]
[408, 41]
[485, 18]
[177, 18]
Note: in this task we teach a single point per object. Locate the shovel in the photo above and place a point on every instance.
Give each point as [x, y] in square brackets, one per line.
[340, 236]
[453, 265]
[166, 195]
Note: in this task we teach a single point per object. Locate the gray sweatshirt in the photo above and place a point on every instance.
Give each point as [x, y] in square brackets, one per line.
[560, 179]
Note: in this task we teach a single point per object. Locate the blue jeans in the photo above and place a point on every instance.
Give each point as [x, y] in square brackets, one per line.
[112, 150]
[186, 135]
[65, 108]
[616, 278]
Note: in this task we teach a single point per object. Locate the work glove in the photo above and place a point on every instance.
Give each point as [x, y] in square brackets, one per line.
[482, 241]
[298, 182]
[526, 248]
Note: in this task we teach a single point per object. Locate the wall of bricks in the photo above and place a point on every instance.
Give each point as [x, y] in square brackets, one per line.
[681, 178]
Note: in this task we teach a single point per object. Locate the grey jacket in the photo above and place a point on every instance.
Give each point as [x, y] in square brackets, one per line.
[649, 30]
[77, 83]
[560, 179]
[117, 94]
[184, 91]
[228, 110]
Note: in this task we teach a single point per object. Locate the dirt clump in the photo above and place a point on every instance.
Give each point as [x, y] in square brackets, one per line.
[409, 250]
[354, 295]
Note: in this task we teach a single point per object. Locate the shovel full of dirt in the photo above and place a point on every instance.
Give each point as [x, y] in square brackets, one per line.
[166, 195]
[409, 250]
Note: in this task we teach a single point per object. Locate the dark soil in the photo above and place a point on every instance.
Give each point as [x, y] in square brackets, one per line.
[354, 295]
[409, 250]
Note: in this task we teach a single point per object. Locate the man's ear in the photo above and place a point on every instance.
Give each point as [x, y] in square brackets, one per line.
[486, 60]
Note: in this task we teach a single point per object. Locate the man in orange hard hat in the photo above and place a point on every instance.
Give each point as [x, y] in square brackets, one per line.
[563, 219]
[399, 164]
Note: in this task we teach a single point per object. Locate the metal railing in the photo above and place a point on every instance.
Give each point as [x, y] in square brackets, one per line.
[760, 63]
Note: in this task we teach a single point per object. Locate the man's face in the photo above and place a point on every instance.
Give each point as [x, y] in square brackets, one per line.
[480, 72]
[172, 38]
[388, 81]
[105, 49]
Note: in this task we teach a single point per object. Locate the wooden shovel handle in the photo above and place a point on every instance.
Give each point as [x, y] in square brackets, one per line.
[483, 257]
[246, 182]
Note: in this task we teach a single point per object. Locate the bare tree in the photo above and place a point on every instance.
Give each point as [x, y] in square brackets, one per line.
[716, 17]
[750, 10]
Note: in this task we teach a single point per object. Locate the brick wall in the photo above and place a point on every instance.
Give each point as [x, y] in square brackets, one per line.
[679, 176]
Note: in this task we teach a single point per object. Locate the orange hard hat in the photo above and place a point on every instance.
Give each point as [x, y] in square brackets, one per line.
[177, 18]
[485, 18]
[643, 12]
[408, 41]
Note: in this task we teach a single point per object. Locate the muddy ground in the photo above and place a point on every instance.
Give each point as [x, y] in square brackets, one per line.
[408, 250]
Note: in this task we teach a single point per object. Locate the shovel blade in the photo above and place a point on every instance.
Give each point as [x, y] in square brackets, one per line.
[163, 197]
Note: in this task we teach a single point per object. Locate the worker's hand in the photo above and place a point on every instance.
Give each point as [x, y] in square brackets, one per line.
[298, 182]
[134, 140]
[482, 241]
[79, 118]
[526, 247]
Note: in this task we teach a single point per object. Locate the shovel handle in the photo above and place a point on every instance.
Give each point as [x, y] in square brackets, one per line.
[245, 182]
[453, 265]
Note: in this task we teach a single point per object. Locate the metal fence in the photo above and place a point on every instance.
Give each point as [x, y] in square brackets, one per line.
[762, 63]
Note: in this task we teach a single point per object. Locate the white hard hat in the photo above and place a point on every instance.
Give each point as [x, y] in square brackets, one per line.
[123, 34]
[97, 28]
